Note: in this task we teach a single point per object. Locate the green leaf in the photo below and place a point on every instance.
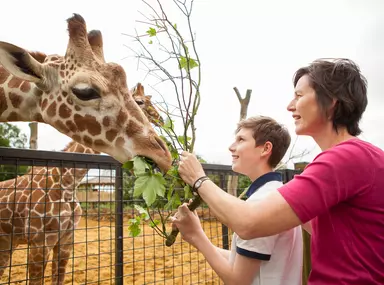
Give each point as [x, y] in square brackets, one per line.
[187, 192]
[173, 171]
[184, 63]
[193, 63]
[175, 26]
[128, 165]
[168, 125]
[174, 153]
[173, 203]
[134, 230]
[149, 186]
[182, 140]
[141, 211]
[134, 227]
[170, 191]
[140, 166]
[151, 32]
[150, 42]
[168, 206]
[176, 202]
[154, 223]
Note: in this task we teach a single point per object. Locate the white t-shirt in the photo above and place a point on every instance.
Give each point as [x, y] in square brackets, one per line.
[281, 254]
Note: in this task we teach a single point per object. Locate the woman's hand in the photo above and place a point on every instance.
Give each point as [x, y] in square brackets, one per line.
[190, 168]
[188, 224]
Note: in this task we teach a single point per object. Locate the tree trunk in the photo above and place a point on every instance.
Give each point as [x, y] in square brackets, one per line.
[233, 180]
[33, 137]
[244, 102]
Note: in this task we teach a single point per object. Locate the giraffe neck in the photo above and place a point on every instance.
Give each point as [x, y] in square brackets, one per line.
[71, 177]
[61, 182]
[19, 100]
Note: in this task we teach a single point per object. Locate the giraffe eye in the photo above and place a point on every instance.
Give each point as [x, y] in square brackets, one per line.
[86, 94]
[139, 102]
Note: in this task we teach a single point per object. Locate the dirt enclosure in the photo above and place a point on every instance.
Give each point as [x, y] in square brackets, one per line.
[146, 259]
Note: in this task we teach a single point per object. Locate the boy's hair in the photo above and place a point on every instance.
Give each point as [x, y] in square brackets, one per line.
[267, 129]
[338, 80]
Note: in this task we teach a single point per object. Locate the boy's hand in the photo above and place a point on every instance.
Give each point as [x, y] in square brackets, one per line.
[188, 224]
[190, 168]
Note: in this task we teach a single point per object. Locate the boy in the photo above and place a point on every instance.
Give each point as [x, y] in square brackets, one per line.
[260, 144]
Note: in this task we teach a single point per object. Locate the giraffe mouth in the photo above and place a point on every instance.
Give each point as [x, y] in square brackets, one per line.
[152, 164]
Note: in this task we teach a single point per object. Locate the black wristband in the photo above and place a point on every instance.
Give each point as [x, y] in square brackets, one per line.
[201, 179]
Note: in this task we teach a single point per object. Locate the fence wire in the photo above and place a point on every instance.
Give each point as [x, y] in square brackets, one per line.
[50, 235]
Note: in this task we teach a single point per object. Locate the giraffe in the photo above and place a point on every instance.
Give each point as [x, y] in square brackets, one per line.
[54, 186]
[40, 209]
[85, 98]
[80, 95]
[145, 103]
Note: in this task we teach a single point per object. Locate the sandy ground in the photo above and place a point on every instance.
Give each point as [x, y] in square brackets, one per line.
[146, 259]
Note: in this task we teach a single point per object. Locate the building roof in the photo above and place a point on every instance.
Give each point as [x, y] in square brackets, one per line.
[98, 181]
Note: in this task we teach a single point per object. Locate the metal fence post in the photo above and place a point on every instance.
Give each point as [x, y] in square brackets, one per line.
[224, 228]
[119, 257]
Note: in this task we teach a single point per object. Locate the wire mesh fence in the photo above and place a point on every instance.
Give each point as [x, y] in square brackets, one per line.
[50, 235]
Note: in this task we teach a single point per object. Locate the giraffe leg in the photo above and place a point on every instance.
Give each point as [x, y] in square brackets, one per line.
[38, 258]
[61, 255]
[5, 253]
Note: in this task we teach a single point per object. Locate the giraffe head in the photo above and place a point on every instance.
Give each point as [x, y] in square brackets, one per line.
[145, 103]
[85, 97]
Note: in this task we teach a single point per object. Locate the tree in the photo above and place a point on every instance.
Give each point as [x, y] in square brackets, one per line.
[11, 136]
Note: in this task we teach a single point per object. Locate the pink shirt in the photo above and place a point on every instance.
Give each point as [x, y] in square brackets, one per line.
[342, 193]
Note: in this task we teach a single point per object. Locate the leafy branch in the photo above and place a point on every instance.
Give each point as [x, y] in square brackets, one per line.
[167, 52]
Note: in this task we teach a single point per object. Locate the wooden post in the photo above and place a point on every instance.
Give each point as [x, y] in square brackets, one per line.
[233, 181]
[306, 240]
[33, 136]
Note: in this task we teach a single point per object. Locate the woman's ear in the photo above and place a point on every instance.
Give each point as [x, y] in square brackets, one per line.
[331, 109]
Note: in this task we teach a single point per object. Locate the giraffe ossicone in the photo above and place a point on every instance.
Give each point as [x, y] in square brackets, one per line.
[80, 95]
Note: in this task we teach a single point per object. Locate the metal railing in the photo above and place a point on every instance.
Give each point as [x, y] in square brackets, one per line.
[101, 249]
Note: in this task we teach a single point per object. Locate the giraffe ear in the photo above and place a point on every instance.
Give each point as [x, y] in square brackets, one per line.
[20, 63]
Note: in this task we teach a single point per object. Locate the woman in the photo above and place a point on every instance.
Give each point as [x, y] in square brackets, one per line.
[339, 196]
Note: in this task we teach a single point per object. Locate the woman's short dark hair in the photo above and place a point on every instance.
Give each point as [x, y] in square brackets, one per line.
[338, 80]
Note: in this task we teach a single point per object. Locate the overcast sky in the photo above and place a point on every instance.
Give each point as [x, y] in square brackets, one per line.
[254, 45]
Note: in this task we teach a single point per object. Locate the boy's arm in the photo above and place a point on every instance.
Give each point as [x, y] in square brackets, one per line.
[243, 271]
[224, 252]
